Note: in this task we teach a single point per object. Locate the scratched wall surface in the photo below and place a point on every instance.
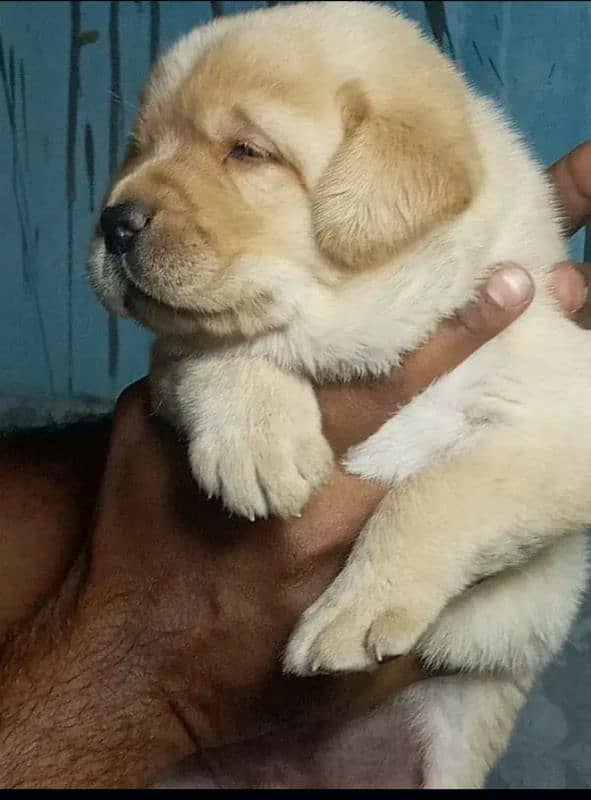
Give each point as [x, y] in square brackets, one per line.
[70, 75]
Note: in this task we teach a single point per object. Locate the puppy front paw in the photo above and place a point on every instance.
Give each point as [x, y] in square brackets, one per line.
[271, 470]
[352, 630]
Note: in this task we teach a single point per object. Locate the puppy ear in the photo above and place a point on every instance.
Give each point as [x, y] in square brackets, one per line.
[395, 177]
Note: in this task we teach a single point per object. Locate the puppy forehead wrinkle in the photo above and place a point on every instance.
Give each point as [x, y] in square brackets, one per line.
[295, 133]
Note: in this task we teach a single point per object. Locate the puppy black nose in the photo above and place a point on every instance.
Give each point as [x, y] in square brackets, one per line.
[122, 223]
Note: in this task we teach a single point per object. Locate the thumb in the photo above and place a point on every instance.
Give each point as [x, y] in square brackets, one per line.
[507, 293]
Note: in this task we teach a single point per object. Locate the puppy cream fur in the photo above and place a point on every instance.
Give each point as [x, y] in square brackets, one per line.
[325, 188]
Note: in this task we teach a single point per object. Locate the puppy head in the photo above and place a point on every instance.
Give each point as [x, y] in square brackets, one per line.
[276, 153]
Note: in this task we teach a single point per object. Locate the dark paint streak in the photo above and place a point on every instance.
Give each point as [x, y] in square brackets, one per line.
[24, 115]
[18, 181]
[11, 80]
[18, 185]
[552, 68]
[89, 155]
[496, 71]
[496, 21]
[19, 189]
[587, 245]
[271, 3]
[73, 93]
[477, 51]
[43, 337]
[114, 128]
[437, 18]
[115, 91]
[154, 30]
[217, 8]
[87, 37]
[38, 313]
[23, 175]
[9, 98]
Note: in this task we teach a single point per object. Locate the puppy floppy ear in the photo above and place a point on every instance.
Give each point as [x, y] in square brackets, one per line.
[395, 177]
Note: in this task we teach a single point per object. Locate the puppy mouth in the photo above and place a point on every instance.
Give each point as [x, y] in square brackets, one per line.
[163, 316]
[123, 293]
[160, 317]
[135, 292]
[136, 298]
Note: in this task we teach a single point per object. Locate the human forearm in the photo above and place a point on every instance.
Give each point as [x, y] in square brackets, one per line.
[76, 709]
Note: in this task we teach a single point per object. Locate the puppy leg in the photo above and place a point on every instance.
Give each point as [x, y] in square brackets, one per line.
[464, 723]
[431, 538]
[254, 432]
[514, 621]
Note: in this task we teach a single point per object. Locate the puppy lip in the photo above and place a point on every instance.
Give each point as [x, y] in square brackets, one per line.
[136, 292]
[133, 289]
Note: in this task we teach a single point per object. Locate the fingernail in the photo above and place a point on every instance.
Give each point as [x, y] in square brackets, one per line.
[572, 290]
[581, 298]
[509, 287]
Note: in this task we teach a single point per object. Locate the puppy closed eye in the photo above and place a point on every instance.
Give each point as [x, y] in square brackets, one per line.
[243, 151]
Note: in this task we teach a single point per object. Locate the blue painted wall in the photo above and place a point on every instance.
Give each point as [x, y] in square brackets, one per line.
[71, 73]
